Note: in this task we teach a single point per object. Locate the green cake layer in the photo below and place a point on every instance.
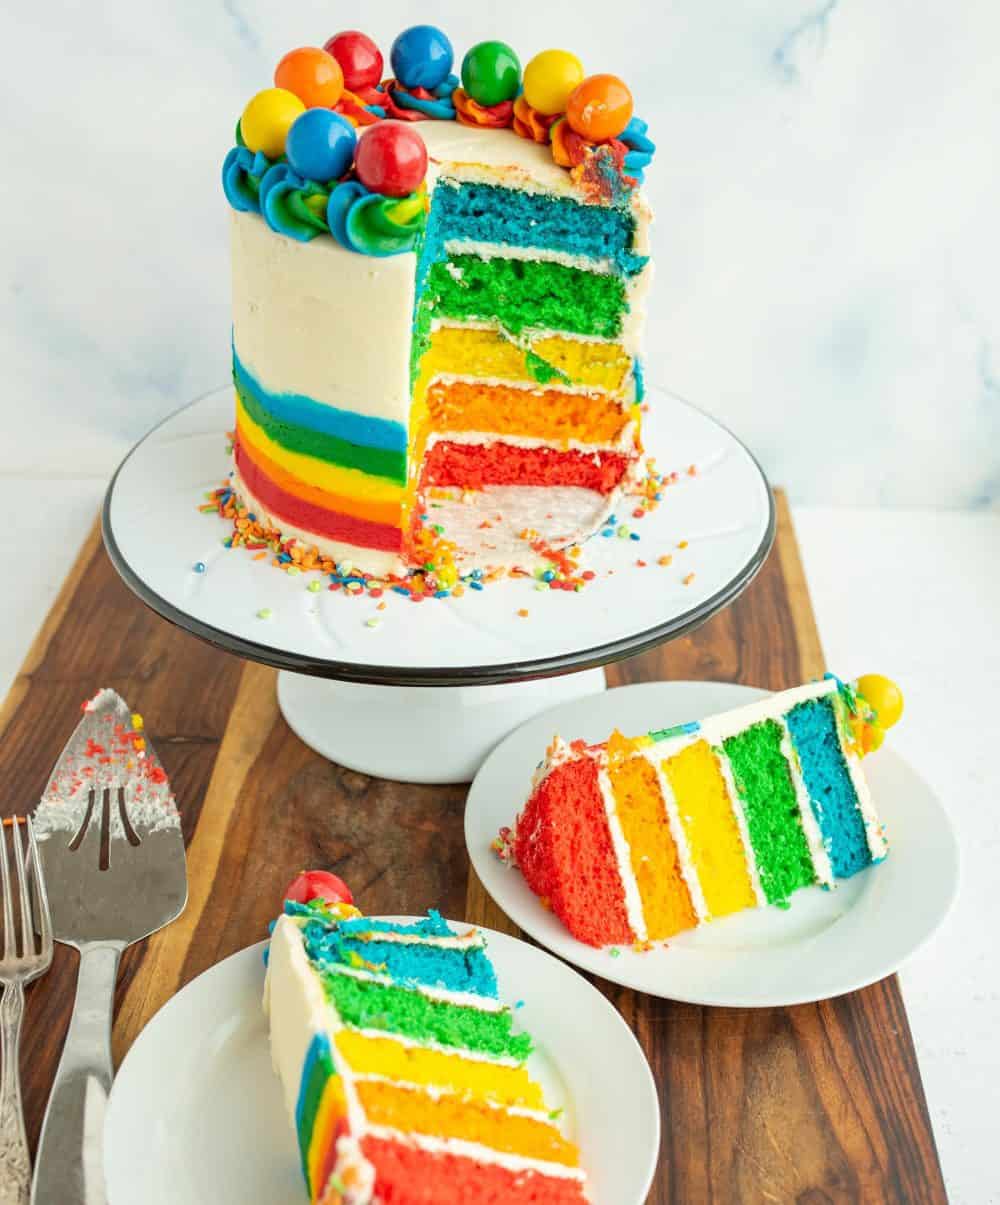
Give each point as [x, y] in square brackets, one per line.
[370, 1005]
[765, 787]
[522, 294]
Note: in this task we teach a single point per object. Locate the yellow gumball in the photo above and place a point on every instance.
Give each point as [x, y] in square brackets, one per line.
[267, 118]
[883, 696]
[549, 79]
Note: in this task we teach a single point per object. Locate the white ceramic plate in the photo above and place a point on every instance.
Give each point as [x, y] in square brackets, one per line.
[156, 535]
[196, 1116]
[827, 943]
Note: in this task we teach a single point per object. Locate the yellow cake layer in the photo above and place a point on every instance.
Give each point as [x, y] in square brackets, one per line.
[415, 1065]
[464, 351]
[318, 473]
[710, 828]
[591, 418]
[666, 901]
[412, 1110]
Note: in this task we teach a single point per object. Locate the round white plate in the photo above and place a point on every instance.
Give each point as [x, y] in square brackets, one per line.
[155, 535]
[196, 1115]
[827, 943]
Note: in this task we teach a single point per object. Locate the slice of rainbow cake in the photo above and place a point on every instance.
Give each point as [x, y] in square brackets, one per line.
[636, 840]
[401, 1068]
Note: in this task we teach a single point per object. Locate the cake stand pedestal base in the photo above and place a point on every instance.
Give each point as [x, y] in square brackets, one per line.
[419, 734]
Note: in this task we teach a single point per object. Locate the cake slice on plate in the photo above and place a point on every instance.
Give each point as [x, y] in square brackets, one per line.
[401, 1067]
[635, 840]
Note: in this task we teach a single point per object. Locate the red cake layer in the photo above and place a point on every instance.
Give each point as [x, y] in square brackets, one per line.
[317, 520]
[472, 466]
[563, 848]
[407, 1175]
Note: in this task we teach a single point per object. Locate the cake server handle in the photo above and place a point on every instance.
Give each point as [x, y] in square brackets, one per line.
[69, 1166]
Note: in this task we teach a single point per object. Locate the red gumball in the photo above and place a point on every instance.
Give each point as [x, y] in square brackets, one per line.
[318, 885]
[391, 159]
[359, 58]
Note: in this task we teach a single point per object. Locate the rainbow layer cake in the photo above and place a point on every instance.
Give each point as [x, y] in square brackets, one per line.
[636, 840]
[402, 1070]
[438, 302]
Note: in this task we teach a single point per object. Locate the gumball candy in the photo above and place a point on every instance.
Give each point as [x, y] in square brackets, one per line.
[320, 145]
[359, 58]
[883, 696]
[313, 75]
[549, 79]
[267, 119]
[491, 73]
[318, 885]
[421, 57]
[391, 158]
[599, 108]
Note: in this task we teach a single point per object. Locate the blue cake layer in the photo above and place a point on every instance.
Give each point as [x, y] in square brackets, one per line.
[486, 213]
[299, 410]
[813, 729]
[410, 963]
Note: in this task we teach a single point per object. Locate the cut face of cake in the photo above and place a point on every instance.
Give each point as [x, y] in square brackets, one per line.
[636, 840]
[401, 1067]
[474, 386]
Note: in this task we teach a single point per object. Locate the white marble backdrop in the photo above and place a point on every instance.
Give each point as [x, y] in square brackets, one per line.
[827, 188]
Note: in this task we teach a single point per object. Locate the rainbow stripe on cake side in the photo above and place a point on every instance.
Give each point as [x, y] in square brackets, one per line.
[401, 1068]
[702, 820]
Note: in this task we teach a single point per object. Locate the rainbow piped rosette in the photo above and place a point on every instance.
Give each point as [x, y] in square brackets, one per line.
[296, 143]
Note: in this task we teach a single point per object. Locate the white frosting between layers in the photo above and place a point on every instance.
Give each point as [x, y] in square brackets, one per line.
[441, 995]
[742, 825]
[633, 898]
[810, 825]
[623, 397]
[525, 338]
[477, 1152]
[471, 940]
[599, 265]
[684, 860]
[475, 1056]
[626, 441]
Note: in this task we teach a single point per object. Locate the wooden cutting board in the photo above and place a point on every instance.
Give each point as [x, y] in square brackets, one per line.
[818, 1103]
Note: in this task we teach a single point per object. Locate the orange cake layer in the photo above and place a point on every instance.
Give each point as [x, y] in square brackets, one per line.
[548, 414]
[666, 901]
[450, 1116]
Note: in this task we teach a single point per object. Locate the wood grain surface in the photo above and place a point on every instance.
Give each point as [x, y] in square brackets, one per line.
[814, 1104]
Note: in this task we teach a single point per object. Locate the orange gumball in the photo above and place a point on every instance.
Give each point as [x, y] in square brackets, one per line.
[313, 75]
[599, 108]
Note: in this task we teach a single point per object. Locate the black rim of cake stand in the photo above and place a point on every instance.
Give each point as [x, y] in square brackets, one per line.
[472, 675]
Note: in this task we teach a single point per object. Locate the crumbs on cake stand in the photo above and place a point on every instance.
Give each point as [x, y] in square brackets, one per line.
[438, 576]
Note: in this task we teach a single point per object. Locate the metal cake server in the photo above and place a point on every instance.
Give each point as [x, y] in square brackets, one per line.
[113, 855]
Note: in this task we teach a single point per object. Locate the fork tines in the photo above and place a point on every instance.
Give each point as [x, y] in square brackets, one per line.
[34, 914]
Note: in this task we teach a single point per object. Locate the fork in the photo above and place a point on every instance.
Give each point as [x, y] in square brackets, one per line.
[16, 970]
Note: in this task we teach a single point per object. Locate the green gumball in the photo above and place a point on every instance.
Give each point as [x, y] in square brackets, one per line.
[491, 73]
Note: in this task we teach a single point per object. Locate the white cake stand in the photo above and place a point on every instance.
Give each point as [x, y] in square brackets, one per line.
[429, 691]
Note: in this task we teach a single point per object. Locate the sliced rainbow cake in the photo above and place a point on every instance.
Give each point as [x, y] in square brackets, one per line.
[401, 1068]
[635, 840]
[450, 363]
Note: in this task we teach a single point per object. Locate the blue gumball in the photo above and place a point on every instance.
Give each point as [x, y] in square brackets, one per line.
[320, 145]
[421, 57]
